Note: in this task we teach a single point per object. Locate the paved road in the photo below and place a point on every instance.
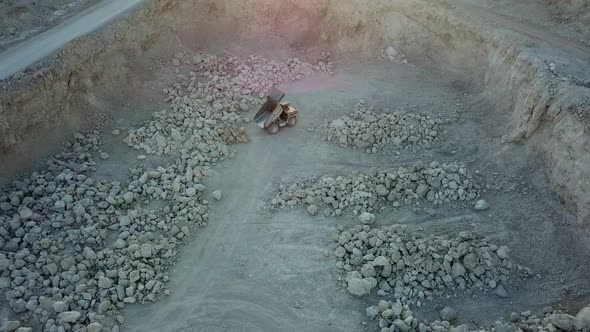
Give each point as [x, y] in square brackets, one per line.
[34, 49]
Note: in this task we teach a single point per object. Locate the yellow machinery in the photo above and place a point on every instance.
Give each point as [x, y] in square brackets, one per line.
[275, 114]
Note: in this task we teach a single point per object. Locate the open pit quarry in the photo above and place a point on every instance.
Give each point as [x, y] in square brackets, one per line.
[438, 178]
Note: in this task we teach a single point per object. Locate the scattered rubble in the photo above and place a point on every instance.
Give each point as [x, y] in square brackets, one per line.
[413, 268]
[379, 132]
[256, 75]
[205, 118]
[373, 191]
[393, 316]
[75, 250]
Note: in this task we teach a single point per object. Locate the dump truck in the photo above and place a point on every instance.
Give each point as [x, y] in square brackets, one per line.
[275, 113]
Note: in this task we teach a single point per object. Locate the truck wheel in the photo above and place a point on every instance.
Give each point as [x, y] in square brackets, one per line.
[273, 128]
[292, 121]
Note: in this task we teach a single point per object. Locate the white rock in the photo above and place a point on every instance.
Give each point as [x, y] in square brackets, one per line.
[25, 213]
[391, 52]
[94, 327]
[147, 250]
[583, 317]
[366, 218]
[70, 316]
[360, 287]
[372, 312]
[217, 194]
[481, 205]
[60, 306]
[104, 282]
[502, 252]
[312, 210]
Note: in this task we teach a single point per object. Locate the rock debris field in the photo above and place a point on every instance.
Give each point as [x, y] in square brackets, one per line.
[76, 249]
[381, 132]
[367, 192]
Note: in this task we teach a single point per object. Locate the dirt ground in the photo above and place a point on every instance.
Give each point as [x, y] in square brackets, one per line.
[25, 18]
[251, 270]
[570, 19]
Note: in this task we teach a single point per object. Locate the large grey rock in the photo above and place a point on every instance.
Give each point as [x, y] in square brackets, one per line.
[583, 317]
[361, 286]
[146, 250]
[104, 282]
[457, 270]
[502, 252]
[564, 321]
[448, 314]
[372, 312]
[60, 306]
[461, 328]
[501, 291]
[401, 325]
[94, 327]
[10, 325]
[367, 218]
[217, 194]
[70, 316]
[481, 205]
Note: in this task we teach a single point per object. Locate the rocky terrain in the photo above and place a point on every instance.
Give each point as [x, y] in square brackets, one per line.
[393, 316]
[75, 249]
[416, 268]
[444, 220]
[382, 132]
[435, 183]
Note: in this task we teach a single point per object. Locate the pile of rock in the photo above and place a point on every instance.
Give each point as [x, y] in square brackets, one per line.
[205, 118]
[394, 316]
[202, 129]
[366, 192]
[411, 268]
[376, 132]
[75, 250]
[253, 76]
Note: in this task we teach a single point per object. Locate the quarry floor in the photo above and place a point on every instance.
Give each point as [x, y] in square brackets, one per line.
[250, 270]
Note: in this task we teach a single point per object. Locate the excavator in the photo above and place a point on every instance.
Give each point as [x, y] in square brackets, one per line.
[275, 114]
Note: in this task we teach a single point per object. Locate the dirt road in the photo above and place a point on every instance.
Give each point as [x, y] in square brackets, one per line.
[250, 270]
[30, 51]
[537, 33]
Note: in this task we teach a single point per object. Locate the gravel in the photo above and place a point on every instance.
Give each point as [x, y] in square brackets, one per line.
[413, 268]
[393, 316]
[380, 132]
[373, 191]
[75, 249]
